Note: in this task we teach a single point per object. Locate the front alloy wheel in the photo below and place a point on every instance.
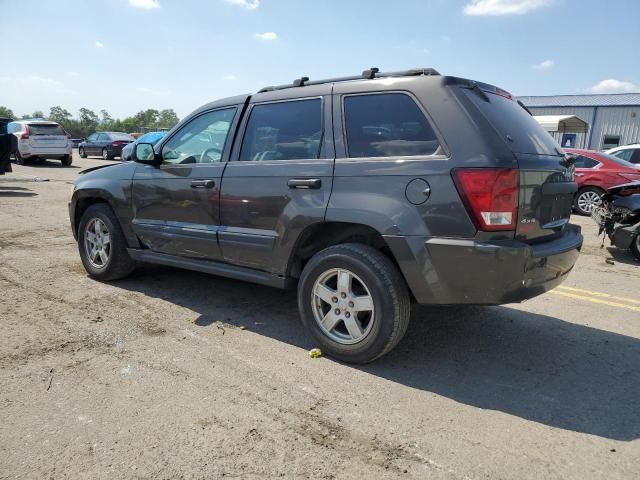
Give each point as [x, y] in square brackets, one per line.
[97, 243]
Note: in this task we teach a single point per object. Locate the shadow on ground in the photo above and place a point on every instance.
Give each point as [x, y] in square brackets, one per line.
[622, 256]
[16, 192]
[535, 367]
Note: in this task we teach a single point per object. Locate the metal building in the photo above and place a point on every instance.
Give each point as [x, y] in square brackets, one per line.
[613, 119]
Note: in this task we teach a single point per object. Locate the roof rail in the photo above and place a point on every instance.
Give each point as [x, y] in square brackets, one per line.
[368, 74]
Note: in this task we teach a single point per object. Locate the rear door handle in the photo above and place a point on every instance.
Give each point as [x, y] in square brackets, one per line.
[203, 184]
[305, 183]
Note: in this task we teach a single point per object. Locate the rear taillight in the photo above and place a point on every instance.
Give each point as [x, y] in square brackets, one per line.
[117, 143]
[490, 196]
[25, 134]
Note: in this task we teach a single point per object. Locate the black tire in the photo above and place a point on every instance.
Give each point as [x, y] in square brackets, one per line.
[66, 160]
[20, 160]
[585, 192]
[388, 290]
[105, 154]
[119, 264]
[82, 153]
[635, 246]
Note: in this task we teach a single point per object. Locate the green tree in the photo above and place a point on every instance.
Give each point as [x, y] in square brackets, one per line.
[105, 119]
[167, 118]
[6, 112]
[60, 115]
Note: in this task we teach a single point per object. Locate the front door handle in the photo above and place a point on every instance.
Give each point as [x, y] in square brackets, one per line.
[306, 183]
[203, 184]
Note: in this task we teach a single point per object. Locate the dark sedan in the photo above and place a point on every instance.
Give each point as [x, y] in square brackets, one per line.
[105, 144]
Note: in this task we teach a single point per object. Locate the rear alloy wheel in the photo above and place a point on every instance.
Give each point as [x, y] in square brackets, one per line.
[587, 199]
[354, 302]
[105, 154]
[82, 153]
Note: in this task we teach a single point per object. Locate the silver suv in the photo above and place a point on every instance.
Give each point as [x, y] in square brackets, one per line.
[39, 140]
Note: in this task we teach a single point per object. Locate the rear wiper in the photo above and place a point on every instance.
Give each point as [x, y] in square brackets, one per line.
[525, 107]
[474, 87]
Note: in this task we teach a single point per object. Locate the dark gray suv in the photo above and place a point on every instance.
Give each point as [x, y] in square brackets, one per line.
[369, 193]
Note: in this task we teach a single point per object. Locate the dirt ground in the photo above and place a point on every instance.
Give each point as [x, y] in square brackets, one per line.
[175, 374]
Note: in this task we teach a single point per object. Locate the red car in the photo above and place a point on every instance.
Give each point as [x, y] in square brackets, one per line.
[595, 173]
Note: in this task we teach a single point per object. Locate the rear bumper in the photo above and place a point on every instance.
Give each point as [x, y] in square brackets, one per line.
[47, 152]
[445, 271]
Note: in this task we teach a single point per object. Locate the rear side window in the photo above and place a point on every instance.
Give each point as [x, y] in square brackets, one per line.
[387, 125]
[283, 131]
[586, 162]
[45, 129]
[514, 124]
[624, 154]
[121, 136]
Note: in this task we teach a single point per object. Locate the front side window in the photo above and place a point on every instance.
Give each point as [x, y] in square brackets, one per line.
[283, 131]
[387, 125]
[202, 140]
[92, 138]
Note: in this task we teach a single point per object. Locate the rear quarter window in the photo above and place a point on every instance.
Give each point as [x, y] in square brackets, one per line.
[387, 125]
[513, 123]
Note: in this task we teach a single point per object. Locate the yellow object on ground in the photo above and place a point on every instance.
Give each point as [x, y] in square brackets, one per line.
[315, 353]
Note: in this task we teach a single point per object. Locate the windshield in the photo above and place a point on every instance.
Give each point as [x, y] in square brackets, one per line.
[45, 129]
[121, 136]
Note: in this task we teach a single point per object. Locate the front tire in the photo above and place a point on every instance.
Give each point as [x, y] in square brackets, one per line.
[102, 246]
[105, 154]
[82, 153]
[354, 302]
[587, 199]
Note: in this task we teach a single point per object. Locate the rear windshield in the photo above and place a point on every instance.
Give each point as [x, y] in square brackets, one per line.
[512, 121]
[45, 129]
[121, 136]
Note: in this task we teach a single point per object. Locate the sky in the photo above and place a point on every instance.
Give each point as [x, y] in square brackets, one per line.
[127, 55]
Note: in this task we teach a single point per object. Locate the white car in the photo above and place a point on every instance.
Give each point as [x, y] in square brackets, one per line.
[39, 139]
[630, 153]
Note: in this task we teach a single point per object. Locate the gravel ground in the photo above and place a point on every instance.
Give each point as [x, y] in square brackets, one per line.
[175, 374]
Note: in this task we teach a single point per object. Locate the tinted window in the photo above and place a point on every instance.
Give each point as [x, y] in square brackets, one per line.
[283, 131]
[514, 124]
[585, 162]
[202, 140]
[387, 125]
[45, 129]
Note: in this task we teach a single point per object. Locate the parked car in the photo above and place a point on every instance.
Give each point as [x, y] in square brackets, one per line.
[150, 137]
[595, 174]
[630, 153]
[108, 145]
[76, 142]
[39, 140]
[369, 193]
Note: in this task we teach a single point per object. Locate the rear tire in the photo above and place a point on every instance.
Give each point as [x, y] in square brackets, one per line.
[20, 160]
[66, 161]
[635, 246]
[82, 153]
[586, 199]
[375, 296]
[102, 246]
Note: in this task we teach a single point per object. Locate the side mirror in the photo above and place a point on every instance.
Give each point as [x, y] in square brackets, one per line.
[144, 153]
